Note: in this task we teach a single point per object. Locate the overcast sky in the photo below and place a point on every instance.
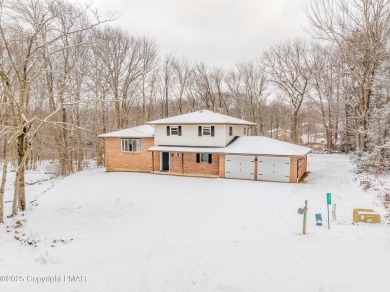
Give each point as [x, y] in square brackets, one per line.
[217, 32]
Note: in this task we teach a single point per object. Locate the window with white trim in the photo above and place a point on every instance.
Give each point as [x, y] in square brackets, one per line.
[174, 130]
[230, 131]
[206, 131]
[244, 131]
[204, 158]
[131, 145]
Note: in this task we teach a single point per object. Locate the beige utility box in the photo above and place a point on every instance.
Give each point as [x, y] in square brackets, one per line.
[366, 215]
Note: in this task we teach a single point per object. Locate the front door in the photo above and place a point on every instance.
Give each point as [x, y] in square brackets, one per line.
[165, 161]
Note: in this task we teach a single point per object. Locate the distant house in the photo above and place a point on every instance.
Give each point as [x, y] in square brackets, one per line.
[205, 144]
[279, 133]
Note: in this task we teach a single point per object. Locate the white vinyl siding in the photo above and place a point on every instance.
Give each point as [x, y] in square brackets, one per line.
[237, 130]
[131, 145]
[190, 136]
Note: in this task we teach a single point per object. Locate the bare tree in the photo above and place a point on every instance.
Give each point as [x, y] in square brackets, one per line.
[167, 79]
[289, 68]
[326, 89]
[29, 33]
[183, 72]
[360, 31]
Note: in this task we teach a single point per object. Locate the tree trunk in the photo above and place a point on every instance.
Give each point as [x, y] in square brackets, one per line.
[294, 127]
[4, 180]
[19, 191]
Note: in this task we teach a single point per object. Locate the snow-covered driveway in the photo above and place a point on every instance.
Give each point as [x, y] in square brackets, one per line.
[142, 232]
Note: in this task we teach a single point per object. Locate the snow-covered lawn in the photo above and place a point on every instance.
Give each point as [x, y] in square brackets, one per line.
[142, 232]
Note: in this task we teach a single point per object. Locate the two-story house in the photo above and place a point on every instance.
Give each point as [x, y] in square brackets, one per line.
[204, 143]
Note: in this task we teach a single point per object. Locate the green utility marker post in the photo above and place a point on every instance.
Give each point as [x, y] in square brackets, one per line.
[328, 202]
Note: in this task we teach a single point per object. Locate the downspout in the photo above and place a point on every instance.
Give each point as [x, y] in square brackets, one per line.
[152, 161]
[182, 163]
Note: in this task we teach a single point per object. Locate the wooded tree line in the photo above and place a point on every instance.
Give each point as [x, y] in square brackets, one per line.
[68, 75]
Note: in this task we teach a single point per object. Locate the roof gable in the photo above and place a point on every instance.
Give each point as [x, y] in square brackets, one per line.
[201, 117]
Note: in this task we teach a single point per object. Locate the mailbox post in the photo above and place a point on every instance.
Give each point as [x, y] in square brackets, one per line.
[303, 211]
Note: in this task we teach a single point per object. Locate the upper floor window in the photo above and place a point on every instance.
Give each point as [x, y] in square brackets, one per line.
[174, 130]
[131, 145]
[206, 131]
[230, 131]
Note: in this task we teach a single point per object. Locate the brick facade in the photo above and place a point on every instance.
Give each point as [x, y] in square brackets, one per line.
[190, 165]
[295, 173]
[222, 165]
[116, 160]
[176, 161]
[180, 163]
[185, 163]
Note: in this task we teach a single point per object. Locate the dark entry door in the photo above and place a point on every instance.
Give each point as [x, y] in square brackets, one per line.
[165, 161]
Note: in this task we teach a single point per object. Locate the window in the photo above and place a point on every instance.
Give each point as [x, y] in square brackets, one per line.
[230, 131]
[244, 131]
[174, 130]
[131, 145]
[204, 158]
[206, 131]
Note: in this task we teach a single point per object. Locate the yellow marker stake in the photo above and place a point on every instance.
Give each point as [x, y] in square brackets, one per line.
[304, 217]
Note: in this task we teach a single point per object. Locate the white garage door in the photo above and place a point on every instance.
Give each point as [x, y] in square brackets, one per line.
[242, 167]
[274, 169]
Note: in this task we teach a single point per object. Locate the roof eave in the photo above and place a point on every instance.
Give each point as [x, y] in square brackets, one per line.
[132, 137]
[203, 123]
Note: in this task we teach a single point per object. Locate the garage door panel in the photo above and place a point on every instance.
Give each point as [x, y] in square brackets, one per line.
[241, 167]
[274, 169]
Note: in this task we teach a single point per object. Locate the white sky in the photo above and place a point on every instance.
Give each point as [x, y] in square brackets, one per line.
[217, 32]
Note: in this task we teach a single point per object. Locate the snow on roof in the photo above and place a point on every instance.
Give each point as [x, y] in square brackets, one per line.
[258, 145]
[143, 131]
[201, 117]
[265, 146]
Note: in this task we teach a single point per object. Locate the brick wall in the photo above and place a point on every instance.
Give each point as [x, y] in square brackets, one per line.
[221, 165]
[156, 159]
[303, 167]
[256, 167]
[190, 165]
[186, 163]
[116, 160]
[294, 168]
[176, 161]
